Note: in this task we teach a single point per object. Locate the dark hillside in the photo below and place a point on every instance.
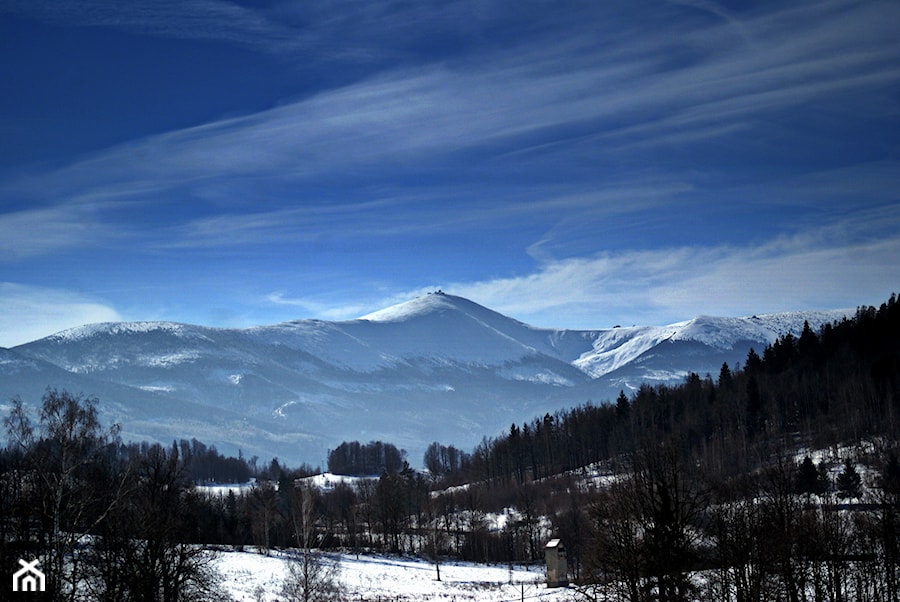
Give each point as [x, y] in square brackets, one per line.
[839, 385]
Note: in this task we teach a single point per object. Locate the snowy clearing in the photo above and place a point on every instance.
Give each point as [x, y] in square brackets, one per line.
[249, 576]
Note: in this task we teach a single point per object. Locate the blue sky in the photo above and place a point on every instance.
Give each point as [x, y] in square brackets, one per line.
[578, 164]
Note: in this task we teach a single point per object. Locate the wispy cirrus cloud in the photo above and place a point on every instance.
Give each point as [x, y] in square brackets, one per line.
[416, 214]
[31, 312]
[30, 232]
[320, 309]
[842, 264]
[454, 115]
[543, 140]
[848, 262]
[217, 20]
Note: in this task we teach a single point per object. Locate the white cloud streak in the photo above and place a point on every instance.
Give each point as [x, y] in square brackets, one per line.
[669, 285]
[596, 98]
[31, 312]
[418, 214]
[40, 231]
[186, 19]
[431, 114]
[840, 265]
[321, 310]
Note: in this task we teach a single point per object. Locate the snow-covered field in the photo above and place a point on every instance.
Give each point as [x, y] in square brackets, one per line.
[250, 576]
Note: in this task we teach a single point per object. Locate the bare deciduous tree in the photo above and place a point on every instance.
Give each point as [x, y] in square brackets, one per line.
[311, 576]
[60, 458]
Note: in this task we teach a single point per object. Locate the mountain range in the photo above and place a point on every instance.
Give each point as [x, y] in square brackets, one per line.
[436, 368]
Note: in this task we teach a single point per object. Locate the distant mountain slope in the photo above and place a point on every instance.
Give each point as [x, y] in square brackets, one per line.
[438, 367]
[617, 348]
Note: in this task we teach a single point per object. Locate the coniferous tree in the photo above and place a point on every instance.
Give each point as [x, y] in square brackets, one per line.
[809, 477]
[725, 377]
[849, 482]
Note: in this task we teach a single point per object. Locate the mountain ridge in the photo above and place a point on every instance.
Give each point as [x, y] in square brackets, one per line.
[438, 367]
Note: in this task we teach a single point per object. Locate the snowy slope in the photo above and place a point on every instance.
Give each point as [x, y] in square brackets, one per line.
[247, 576]
[438, 367]
[616, 348]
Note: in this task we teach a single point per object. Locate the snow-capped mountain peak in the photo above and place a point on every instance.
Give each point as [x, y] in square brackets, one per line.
[420, 306]
[436, 303]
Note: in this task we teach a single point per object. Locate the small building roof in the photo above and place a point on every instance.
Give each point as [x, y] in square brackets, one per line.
[554, 543]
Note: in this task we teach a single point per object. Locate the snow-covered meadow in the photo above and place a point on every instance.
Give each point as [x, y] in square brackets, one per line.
[250, 576]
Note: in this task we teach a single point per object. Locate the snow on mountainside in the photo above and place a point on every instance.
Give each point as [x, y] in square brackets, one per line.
[443, 326]
[615, 348]
[438, 367]
[122, 328]
[565, 345]
[599, 352]
[423, 306]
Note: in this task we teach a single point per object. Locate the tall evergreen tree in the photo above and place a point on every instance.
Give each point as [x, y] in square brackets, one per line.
[849, 482]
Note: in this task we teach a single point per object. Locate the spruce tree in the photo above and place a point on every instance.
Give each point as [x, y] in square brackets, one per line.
[808, 478]
[849, 483]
